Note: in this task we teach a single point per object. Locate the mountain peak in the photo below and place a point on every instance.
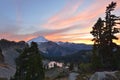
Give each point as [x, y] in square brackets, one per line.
[42, 38]
[38, 39]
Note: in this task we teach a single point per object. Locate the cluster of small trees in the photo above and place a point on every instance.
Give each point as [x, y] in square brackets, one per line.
[106, 53]
[29, 64]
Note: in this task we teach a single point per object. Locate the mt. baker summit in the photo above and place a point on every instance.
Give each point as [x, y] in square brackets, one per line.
[39, 39]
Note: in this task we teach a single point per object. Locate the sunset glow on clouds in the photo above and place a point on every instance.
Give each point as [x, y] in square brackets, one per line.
[57, 20]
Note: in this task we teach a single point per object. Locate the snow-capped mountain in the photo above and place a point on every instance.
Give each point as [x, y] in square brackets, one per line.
[58, 48]
[38, 40]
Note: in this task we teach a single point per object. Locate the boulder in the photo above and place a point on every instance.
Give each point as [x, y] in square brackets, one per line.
[114, 75]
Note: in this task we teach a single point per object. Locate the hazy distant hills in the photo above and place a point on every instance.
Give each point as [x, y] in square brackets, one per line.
[48, 48]
[58, 48]
[52, 49]
[74, 46]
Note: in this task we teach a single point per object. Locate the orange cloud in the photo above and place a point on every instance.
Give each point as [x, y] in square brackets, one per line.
[70, 38]
[59, 25]
[69, 9]
[86, 18]
[90, 13]
[80, 18]
[14, 37]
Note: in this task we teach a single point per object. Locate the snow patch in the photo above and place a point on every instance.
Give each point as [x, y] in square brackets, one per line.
[38, 40]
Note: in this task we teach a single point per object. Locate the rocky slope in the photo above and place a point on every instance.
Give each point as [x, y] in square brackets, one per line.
[8, 54]
[115, 75]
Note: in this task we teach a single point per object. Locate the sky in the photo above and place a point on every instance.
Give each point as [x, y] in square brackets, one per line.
[56, 20]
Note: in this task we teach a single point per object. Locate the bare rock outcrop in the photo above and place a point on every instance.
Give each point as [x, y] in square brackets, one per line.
[105, 75]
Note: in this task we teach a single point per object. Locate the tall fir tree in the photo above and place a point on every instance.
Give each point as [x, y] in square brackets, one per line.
[104, 33]
[1, 56]
[29, 65]
[97, 33]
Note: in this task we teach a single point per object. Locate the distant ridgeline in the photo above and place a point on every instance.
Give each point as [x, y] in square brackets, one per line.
[4, 44]
[76, 52]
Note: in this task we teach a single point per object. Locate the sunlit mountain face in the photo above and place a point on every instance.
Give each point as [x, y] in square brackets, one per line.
[57, 20]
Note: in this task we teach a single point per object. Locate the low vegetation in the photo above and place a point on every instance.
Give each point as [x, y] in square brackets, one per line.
[3, 79]
[84, 76]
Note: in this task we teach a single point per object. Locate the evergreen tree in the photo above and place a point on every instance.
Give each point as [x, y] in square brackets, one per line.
[1, 56]
[97, 32]
[110, 21]
[29, 65]
[109, 35]
[71, 66]
[104, 33]
[96, 60]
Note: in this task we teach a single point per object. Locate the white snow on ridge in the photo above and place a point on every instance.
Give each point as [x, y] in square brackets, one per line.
[39, 39]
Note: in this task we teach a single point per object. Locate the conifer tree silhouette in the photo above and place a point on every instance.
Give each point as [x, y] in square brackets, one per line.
[29, 64]
[104, 33]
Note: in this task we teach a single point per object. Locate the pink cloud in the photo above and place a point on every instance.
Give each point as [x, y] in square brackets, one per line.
[56, 22]
[69, 9]
[62, 25]
[93, 12]
[86, 19]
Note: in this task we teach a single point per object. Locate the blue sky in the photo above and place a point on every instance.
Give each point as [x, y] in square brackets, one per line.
[57, 20]
[28, 13]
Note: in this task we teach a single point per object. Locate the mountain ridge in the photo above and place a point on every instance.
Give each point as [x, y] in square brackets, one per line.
[38, 39]
[58, 48]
